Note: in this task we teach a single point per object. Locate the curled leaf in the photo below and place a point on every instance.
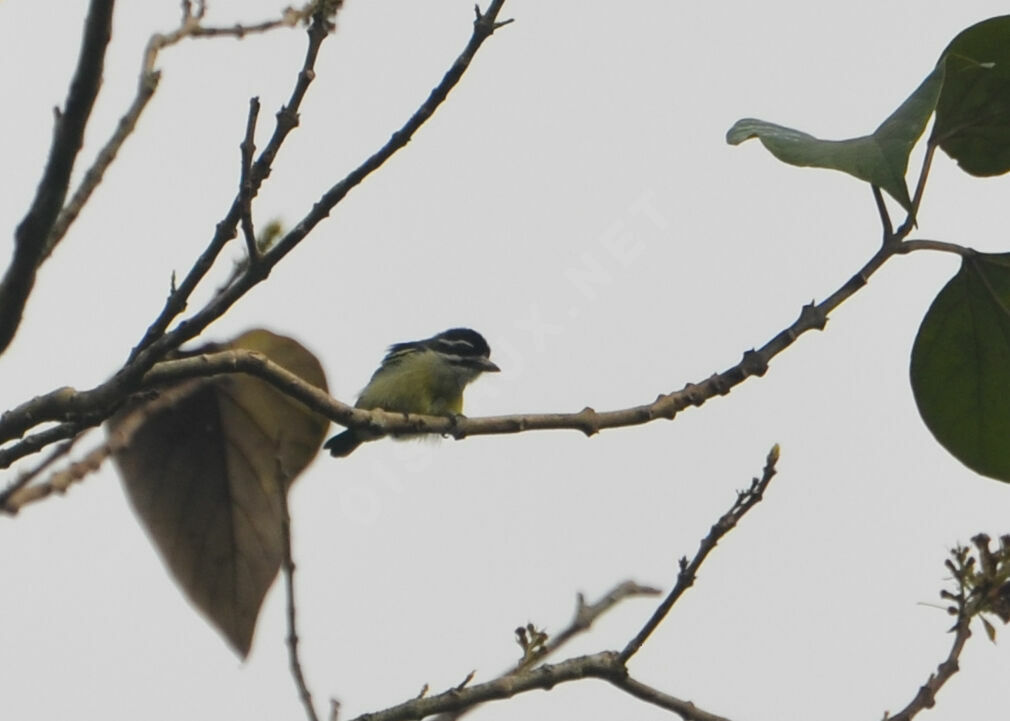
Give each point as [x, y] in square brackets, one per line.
[880, 159]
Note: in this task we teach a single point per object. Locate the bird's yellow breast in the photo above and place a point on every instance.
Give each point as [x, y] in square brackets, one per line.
[416, 383]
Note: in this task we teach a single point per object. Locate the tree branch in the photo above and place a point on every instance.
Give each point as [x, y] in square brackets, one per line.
[605, 666]
[19, 494]
[962, 566]
[248, 147]
[32, 233]
[143, 356]
[925, 697]
[585, 616]
[190, 27]
[93, 406]
[288, 566]
[156, 342]
[745, 501]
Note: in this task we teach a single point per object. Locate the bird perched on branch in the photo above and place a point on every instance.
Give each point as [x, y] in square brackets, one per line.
[426, 377]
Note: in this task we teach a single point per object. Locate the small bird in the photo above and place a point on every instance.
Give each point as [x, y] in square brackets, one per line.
[421, 376]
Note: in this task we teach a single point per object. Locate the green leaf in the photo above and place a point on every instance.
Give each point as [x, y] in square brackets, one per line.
[973, 112]
[203, 465]
[880, 159]
[960, 367]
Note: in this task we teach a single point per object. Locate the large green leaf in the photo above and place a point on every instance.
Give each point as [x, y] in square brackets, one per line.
[960, 366]
[203, 465]
[973, 111]
[880, 158]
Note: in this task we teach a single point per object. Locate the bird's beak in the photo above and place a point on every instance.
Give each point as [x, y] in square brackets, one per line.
[488, 367]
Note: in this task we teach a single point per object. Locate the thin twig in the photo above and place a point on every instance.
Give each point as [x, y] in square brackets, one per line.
[925, 697]
[685, 709]
[973, 597]
[288, 567]
[483, 27]
[885, 217]
[605, 666]
[585, 616]
[920, 188]
[57, 482]
[147, 85]
[68, 137]
[156, 342]
[745, 501]
[40, 439]
[287, 120]
[942, 246]
[28, 476]
[93, 176]
[93, 406]
[248, 147]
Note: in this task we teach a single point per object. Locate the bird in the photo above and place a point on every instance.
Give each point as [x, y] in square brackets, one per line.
[426, 377]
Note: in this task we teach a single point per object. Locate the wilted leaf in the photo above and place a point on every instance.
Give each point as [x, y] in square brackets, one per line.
[203, 465]
[973, 111]
[880, 158]
[990, 630]
[960, 368]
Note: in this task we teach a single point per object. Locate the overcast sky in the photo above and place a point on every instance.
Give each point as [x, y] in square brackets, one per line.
[579, 124]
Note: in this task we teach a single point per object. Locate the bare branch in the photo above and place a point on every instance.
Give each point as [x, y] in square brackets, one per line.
[287, 120]
[925, 697]
[39, 440]
[588, 421]
[685, 709]
[605, 666]
[19, 494]
[585, 616]
[288, 566]
[885, 217]
[68, 136]
[146, 87]
[920, 188]
[93, 176]
[27, 477]
[745, 501]
[961, 565]
[156, 342]
[91, 407]
[247, 147]
[942, 246]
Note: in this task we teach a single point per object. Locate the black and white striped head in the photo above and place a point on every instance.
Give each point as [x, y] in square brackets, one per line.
[461, 347]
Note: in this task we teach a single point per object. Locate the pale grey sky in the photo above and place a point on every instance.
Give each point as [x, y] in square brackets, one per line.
[588, 137]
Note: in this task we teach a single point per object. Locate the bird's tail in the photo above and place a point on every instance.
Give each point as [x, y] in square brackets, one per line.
[343, 444]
